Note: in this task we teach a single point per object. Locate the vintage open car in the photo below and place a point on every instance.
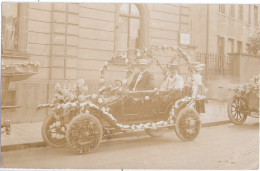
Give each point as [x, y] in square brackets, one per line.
[85, 119]
[245, 102]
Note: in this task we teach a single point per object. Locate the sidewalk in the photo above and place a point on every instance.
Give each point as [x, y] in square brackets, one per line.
[28, 135]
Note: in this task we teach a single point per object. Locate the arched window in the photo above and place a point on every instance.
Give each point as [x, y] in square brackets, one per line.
[130, 26]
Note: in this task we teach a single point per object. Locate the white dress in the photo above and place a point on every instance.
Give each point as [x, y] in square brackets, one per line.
[196, 82]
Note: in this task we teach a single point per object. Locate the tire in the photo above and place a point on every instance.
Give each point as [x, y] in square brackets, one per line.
[235, 111]
[154, 132]
[53, 132]
[84, 133]
[187, 124]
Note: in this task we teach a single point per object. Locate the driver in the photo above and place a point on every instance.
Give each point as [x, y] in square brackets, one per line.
[173, 80]
[143, 80]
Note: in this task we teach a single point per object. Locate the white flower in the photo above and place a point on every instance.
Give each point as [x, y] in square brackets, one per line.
[138, 54]
[59, 106]
[101, 80]
[57, 86]
[80, 82]
[147, 98]
[126, 61]
[100, 100]
[124, 56]
[63, 106]
[81, 98]
[84, 88]
[94, 96]
[58, 123]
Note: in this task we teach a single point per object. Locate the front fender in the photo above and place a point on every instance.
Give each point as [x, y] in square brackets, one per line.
[181, 106]
[104, 117]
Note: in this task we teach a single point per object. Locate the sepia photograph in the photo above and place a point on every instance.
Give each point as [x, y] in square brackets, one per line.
[128, 85]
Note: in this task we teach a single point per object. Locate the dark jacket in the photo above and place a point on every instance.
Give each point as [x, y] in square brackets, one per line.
[146, 82]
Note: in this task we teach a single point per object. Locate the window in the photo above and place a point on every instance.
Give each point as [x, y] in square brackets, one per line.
[232, 11]
[222, 9]
[221, 45]
[256, 15]
[230, 46]
[240, 12]
[249, 14]
[130, 27]
[239, 47]
[248, 48]
[13, 30]
[10, 98]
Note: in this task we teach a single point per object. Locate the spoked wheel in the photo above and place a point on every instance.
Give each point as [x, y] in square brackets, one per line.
[53, 132]
[154, 132]
[187, 124]
[236, 113]
[84, 133]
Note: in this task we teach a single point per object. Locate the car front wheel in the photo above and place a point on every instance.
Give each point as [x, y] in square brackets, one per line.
[187, 124]
[84, 133]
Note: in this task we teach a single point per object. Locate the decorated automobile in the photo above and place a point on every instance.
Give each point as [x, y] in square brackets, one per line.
[132, 104]
[245, 101]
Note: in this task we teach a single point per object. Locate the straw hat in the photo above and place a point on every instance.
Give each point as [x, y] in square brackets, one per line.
[197, 66]
[143, 61]
[173, 65]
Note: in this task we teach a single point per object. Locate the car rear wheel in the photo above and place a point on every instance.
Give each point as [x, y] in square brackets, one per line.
[84, 133]
[187, 124]
[236, 113]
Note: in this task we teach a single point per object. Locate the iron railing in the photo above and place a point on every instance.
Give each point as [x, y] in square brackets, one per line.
[217, 65]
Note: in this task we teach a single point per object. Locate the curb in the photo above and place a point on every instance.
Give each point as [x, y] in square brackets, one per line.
[107, 139]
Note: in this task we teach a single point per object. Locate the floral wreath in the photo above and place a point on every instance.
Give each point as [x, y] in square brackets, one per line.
[122, 56]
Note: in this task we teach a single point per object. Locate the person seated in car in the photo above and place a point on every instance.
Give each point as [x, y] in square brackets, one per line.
[143, 80]
[173, 80]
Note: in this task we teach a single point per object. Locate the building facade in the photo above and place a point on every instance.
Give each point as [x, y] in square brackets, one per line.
[72, 41]
[223, 28]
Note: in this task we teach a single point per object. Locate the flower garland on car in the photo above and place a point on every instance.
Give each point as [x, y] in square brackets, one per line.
[151, 125]
[68, 97]
[251, 86]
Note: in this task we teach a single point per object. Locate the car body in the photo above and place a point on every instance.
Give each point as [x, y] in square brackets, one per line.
[245, 102]
[83, 121]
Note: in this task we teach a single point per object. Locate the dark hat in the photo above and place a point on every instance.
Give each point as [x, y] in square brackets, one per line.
[173, 66]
